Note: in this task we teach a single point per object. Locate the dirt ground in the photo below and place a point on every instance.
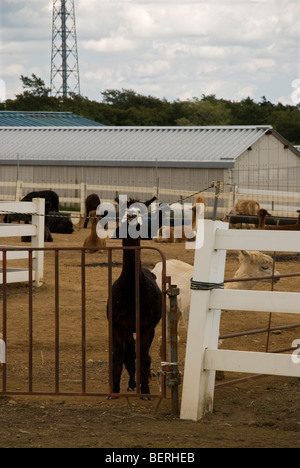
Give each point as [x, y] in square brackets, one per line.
[261, 412]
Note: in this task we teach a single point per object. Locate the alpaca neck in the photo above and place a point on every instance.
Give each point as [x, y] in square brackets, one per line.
[262, 221]
[129, 257]
[240, 285]
[195, 219]
[241, 273]
[93, 230]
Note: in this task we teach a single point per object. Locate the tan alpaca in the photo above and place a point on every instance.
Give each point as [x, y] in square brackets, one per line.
[246, 207]
[93, 241]
[200, 199]
[179, 234]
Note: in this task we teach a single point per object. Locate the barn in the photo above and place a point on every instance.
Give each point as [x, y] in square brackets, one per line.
[67, 149]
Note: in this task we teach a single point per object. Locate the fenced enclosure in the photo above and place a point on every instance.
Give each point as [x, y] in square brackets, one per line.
[205, 314]
[96, 325]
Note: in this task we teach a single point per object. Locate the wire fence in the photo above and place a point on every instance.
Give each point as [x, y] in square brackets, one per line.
[72, 197]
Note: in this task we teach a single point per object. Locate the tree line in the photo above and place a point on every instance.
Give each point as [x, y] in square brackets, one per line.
[126, 107]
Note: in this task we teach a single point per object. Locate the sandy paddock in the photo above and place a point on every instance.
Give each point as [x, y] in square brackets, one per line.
[262, 412]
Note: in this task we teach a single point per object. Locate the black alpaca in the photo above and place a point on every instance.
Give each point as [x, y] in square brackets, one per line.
[124, 317]
[50, 197]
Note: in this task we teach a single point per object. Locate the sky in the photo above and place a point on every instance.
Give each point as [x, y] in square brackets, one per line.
[173, 49]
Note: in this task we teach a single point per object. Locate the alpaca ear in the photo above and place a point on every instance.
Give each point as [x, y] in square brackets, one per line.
[148, 203]
[246, 254]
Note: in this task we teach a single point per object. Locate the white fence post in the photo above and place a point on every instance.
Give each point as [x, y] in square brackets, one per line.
[38, 220]
[203, 331]
[19, 190]
[83, 195]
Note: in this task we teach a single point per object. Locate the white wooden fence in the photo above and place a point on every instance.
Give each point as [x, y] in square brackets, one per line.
[19, 189]
[36, 208]
[203, 358]
[279, 203]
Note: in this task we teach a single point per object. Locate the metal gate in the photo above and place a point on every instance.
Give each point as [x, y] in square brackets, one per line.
[56, 390]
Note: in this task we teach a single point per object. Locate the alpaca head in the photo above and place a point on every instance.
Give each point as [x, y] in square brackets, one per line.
[253, 264]
[263, 212]
[132, 215]
[94, 217]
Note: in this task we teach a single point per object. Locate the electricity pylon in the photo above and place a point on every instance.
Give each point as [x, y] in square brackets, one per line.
[64, 57]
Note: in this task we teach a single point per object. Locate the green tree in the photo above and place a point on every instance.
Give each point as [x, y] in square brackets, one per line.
[35, 96]
[34, 86]
[205, 112]
[127, 107]
[286, 120]
[127, 98]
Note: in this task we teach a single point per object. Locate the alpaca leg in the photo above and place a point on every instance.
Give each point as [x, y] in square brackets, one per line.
[130, 357]
[118, 358]
[86, 222]
[146, 341]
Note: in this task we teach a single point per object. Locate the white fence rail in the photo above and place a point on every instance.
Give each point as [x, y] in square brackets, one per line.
[80, 191]
[36, 230]
[202, 356]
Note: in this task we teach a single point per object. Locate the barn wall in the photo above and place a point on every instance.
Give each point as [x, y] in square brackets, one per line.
[268, 165]
[169, 178]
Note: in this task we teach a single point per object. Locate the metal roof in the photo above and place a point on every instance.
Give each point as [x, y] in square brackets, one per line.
[44, 119]
[128, 146]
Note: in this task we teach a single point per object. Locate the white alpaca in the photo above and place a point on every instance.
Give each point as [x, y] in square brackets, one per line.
[252, 264]
[181, 274]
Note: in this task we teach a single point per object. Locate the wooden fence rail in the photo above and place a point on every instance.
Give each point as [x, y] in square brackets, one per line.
[279, 203]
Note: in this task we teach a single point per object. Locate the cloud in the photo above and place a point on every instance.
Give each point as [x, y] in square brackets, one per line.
[110, 44]
[171, 48]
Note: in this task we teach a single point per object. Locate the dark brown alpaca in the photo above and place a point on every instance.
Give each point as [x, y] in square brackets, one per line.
[91, 204]
[124, 315]
[262, 214]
